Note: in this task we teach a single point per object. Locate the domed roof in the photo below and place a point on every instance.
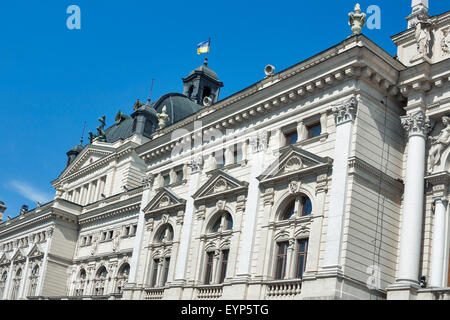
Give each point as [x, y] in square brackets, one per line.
[77, 149]
[205, 70]
[2, 203]
[178, 107]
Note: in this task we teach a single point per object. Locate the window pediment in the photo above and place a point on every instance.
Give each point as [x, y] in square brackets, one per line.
[36, 251]
[19, 255]
[219, 183]
[4, 259]
[292, 161]
[163, 200]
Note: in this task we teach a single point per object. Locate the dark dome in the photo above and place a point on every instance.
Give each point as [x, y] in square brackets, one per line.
[2, 203]
[77, 149]
[204, 69]
[178, 107]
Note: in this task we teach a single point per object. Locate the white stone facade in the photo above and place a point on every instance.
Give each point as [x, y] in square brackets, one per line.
[321, 182]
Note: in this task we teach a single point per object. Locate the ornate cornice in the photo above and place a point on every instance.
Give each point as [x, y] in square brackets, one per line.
[416, 124]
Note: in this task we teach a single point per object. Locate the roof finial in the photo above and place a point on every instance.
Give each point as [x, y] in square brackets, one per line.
[357, 20]
[206, 62]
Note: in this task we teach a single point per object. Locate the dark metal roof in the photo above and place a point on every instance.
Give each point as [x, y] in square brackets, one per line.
[178, 107]
[119, 131]
[204, 69]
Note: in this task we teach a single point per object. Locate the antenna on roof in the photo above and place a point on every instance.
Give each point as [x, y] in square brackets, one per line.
[151, 90]
[82, 134]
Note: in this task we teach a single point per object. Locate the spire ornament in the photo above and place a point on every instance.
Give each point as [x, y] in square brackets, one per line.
[357, 20]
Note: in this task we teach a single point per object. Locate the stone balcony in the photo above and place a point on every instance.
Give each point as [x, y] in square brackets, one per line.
[154, 293]
[283, 289]
[210, 292]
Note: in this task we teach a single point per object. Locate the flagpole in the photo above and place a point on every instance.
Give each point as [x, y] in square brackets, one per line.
[207, 53]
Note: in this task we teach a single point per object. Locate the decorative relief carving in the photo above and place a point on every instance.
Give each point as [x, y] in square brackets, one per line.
[94, 245]
[346, 111]
[164, 202]
[439, 144]
[416, 124]
[196, 164]
[322, 183]
[150, 224]
[201, 213]
[220, 205]
[423, 38]
[116, 242]
[259, 142]
[294, 187]
[148, 181]
[220, 186]
[293, 164]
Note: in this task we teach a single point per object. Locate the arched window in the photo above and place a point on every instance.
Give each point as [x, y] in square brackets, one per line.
[160, 263]
[190, 91]
[301, 206]
[16, 284]
[206, 92]
[291, 246]
[165, 234]
[216, 259]
[80, 283]
[34, 277]
[3, 283]
[100, 281]
[223, 222]
[122, 277]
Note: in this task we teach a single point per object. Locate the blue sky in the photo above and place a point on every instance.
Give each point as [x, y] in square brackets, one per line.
[53, 79]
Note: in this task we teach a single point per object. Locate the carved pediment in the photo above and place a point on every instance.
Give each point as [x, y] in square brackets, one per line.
[36, 251]
[164, 199]
[292, 161]
[4, 259]
[89, 155]
[19, 255]
[219, 183]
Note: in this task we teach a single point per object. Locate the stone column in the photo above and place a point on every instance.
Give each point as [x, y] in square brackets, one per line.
[134, 262]
[344, 115]
[8, 281]
[302, 132]
[438, 252]
[43, 269]
[417, 127]
[186, 230]
[259, 145]
[24, 280]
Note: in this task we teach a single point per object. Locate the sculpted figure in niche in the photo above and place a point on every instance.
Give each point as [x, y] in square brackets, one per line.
[422, 38]
[439, 144]
[116, 241]
[94, 246]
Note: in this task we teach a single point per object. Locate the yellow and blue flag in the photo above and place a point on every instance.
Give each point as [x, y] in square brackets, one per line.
[203, 47]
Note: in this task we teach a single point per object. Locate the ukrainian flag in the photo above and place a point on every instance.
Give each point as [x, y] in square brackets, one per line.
[203, 47]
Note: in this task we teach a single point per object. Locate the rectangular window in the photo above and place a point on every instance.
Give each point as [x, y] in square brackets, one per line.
[291, 138]
[180, 176]
[223, 265]
[127, 231]
[166, 178]
[314, 130]
[237, 154]
[155, 273]
[90, 240]
[209, 267]
[110, 235]
[220, 159]
[302, 249]
[280, 270]
[166, 271]
[84, 241]
[133, 230]
[104, 234]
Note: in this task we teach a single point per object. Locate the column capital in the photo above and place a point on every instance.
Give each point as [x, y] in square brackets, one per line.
[259, 141]
[416, 124]
[148, 181]
[196, 164]
[346, 111]
[442, 199]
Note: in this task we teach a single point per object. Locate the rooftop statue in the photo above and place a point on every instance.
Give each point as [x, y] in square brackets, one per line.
[422, 38]
[439, 144]
[101, 129]
[357, 20]
[163, 118]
